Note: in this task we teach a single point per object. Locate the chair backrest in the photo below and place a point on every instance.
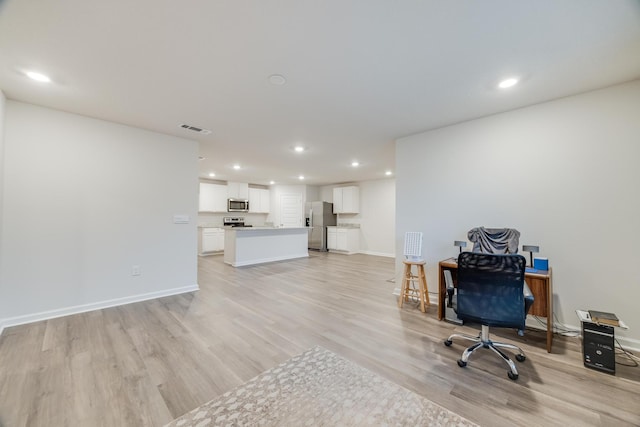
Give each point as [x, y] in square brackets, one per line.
[490, 289]
[413, 245]
[494, 240]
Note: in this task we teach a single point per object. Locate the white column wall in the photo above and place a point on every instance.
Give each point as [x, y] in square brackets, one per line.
[3, 101]
[376, 217]
[84, 201]
[565, 173]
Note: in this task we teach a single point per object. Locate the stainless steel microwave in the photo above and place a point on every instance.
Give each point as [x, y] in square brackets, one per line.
[237, 205]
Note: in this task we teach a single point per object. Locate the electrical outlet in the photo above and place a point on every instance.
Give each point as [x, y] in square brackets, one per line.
[135, 270]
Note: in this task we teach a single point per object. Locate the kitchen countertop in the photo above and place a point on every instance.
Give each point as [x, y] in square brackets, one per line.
[263, 228]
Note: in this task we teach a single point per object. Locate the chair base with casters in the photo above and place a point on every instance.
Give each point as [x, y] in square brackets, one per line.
[483, 341]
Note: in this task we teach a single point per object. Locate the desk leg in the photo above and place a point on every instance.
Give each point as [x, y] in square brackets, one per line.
[441, 292]
[549, 314]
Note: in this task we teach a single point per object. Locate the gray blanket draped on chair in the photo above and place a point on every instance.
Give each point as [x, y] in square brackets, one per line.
[494, 240]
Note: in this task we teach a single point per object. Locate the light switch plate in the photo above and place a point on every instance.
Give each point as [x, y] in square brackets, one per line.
[181, 219]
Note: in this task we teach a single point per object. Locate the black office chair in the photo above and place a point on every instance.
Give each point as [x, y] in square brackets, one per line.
[491, 292]
[497, 241]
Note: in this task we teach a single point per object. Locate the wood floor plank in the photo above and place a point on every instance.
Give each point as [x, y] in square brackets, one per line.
[144, 364]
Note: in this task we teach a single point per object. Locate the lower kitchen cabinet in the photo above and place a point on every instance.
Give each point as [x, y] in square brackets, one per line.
[210, 240]
[343, 240]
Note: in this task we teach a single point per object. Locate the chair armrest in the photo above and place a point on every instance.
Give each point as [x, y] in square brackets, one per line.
[527, 291]
[450, 289]
[528, 298]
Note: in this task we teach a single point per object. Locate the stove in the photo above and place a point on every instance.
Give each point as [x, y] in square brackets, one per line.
[234, 221]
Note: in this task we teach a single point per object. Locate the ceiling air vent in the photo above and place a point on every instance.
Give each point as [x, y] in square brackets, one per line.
[196, 129]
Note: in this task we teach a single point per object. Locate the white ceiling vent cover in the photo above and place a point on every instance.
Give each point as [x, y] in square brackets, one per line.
[196, 129]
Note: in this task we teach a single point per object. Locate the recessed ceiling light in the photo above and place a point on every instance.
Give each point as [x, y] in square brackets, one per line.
[272, 182]
[388, 173]
[277, 79]
[301, 177]
[38, 77]
[355, 164]
[298, 148]
[507, 83]
[236, 167]
[201, 158]
[212, 174]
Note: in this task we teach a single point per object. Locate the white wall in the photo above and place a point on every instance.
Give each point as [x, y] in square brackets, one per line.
[84, 201]
[312, 193]
[325, 193]
[2, 115]
[565, 173]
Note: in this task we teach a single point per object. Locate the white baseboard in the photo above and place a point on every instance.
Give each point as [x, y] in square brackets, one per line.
[52, 314]
[628, 343]
[433, 296]
[384, 254]
[341, 252]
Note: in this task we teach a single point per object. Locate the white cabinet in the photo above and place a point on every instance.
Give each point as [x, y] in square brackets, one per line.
[265, 201]
[238, 190]
[332, 238]
[211, 240]
[213, 197]
[346, 240]
[259, 200]
[346, 199]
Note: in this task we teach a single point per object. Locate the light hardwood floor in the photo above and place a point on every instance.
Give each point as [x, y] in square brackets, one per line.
[147, 363]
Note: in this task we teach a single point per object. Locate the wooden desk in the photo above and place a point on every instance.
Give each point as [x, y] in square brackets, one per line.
[539, 283]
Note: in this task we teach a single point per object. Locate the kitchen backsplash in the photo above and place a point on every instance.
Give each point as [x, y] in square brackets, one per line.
[215, 219]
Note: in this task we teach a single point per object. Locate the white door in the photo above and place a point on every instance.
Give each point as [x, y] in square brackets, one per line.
[291, 210]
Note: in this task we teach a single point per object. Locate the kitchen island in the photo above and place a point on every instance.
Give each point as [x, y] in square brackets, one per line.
[257, 245]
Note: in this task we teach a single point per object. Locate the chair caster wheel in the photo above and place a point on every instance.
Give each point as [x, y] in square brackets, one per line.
[520, 357]
[512, 376]
[462, 363]
[448, 343]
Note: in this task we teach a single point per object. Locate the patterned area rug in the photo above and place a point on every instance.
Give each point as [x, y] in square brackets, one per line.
[319, 388]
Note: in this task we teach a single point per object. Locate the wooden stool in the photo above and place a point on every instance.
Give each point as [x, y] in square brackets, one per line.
[409, 288]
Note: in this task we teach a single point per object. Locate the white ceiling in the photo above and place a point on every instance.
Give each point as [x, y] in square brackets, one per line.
[360, 73]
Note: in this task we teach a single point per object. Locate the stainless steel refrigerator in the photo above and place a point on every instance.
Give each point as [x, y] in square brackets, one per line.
[319, 215]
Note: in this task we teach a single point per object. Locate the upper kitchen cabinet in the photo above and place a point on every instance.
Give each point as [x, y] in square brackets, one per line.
[213, 197]
[238, 190]
[346, 200]
[259, 200]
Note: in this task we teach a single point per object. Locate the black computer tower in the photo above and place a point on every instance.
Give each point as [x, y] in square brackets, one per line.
[598, 348]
